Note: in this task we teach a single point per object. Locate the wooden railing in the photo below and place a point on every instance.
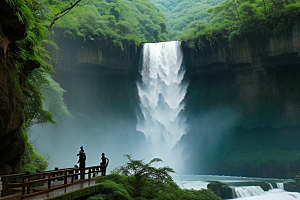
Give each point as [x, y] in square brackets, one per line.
[28, 183]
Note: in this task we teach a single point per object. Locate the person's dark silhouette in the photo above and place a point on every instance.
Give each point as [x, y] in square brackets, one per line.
[103, 164]
[81, 161]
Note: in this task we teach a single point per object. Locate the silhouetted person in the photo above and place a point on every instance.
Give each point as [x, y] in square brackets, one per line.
[103, 164]
[81, 161]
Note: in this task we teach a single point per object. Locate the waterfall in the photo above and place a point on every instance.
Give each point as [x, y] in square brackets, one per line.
[248, 191]
[280, 186]
[161, 93]
[271, 186]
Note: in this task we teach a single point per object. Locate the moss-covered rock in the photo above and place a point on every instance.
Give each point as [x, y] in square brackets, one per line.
[12, 140]
[221, 190]
[291, 187]
[16, 62]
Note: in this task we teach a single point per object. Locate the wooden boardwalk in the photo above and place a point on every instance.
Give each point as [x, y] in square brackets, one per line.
[46, 184]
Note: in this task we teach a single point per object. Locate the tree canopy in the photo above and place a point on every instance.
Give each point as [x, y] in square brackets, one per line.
[181, 15]
[233, 19]
[112, 21]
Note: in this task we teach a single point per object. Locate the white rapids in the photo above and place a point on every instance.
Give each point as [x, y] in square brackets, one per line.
[198, 182]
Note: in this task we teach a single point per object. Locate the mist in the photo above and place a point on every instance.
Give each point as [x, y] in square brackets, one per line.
[62, 142]
[209, 131]
[103, 110]
[106, 117]
[106, 112]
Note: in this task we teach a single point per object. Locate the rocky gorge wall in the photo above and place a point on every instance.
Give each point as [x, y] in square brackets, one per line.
[98, 76]
[96, 57]
[12, 140]
[242, 104]
[251, 92]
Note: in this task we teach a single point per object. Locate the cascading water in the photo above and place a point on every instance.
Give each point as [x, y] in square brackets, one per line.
[271, 186]
[248, 191]
[161, 94]
[280, 186]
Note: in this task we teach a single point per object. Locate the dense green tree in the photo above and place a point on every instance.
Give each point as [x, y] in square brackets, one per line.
[143, 171]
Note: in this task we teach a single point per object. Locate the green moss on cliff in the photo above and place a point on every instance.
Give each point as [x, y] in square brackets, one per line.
[22, 75]
[31, 161]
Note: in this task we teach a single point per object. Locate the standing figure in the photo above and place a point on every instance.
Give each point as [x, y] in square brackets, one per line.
[103, 164]
[81, 161]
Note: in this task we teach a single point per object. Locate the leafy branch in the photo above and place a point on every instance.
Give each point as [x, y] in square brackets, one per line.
[63, 13]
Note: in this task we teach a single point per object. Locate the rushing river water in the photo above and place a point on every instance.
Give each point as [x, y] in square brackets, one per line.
[245, 188]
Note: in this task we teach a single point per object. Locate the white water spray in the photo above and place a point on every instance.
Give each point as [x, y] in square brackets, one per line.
[161, 94]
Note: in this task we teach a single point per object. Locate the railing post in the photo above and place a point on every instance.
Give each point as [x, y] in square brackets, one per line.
[28, 185]
[4, 184]
[89, 173]
[54, 174]
[0, 186]
[23, 185]
[49, 180]
[66, 178]
[76, 171]
[72, 177]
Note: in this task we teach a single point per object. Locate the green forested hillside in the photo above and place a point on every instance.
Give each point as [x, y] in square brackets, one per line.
[181, 15]
[112, 20]
[233, 19]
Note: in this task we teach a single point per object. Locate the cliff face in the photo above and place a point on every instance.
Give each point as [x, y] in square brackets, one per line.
[98, 77]
[256, 84]
[248, 53]
[12, 141]
[98, 58]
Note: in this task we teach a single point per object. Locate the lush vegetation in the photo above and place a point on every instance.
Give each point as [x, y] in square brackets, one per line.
[31, 60]
[233, 19]
[32, 162]
[183, 15]
[139, 180]
[111, 21]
